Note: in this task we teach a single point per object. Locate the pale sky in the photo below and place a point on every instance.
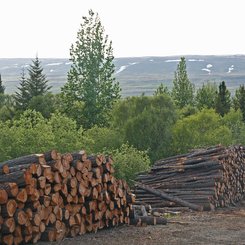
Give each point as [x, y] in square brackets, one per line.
[136, 27]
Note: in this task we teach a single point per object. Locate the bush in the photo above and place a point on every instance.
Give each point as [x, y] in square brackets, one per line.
[202, 129]
[129, 161]
[66, 136]
[101, 139]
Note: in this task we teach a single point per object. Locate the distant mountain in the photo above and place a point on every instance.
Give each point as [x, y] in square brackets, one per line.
[139, 75]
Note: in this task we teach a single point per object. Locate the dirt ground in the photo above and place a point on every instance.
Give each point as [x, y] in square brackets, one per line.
[226, 226]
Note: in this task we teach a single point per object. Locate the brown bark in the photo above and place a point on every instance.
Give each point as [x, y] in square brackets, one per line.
[170, 198]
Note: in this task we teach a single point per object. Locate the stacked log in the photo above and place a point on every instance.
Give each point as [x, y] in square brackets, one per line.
[50, 196]
[206, 178]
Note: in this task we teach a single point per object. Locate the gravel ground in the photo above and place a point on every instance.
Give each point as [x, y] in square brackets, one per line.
[226, 226]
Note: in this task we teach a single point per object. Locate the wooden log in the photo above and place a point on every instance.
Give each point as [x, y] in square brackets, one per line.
[51, 155]
[18, 240]
[3, 196]
[8, 239]
[15, 177]
[81, 155]
[9, 209]
[33, 158]
[170, 198]
[8, 226]
[22, 195]
[20, 217]
[4, 169]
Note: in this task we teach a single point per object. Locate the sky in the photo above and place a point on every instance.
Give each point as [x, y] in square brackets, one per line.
[47, 28]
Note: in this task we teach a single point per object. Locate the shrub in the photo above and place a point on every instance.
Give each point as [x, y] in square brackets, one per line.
[129, 161]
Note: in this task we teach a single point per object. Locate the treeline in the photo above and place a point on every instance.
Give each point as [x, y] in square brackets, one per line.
[89, 113]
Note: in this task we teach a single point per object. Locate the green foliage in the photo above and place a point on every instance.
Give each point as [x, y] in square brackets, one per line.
[234, 121]
[36, 85]
[29, 134]
[183, 89]
[32, 133]
[2, 88]
[45, 104]
[161, 90]
[200, 130]
[91, 77]
[223, 100]
[102, 139]
[7, 111]
[239, 100]
[145, 122]
[22, 97]
[74, 111]
[7, 141]
[206, 96]
[66, 136]
[187, 111]
[129, 161]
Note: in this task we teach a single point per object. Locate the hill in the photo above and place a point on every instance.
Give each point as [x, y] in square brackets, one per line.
[139, 75]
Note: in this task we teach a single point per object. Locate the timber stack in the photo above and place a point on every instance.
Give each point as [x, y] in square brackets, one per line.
[204, 179]
[50, 196]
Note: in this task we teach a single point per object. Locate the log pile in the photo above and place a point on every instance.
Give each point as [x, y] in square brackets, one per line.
[204, 179]
[50, 196]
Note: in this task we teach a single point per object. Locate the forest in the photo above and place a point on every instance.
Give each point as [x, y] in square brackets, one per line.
[90, 114]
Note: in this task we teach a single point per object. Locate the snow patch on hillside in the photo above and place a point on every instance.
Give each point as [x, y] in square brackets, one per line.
[172, 61]
[68, 63]
[193, 60]
[122, 68]
[231, 68]
[208, 70]
[54, 64]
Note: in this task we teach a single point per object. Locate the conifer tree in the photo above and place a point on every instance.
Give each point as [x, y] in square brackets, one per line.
[223, 100]
[32, 86]
[183, 89]
[37, 84]
[2, 88]
[239, 100]
[22, 96]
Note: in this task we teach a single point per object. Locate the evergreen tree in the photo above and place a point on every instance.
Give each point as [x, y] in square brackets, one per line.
[33, 86]
[2, 88]
[183, 89]
[239, 100]
[91, 81]
[223, 100]
[37, 84]
[22, 96]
